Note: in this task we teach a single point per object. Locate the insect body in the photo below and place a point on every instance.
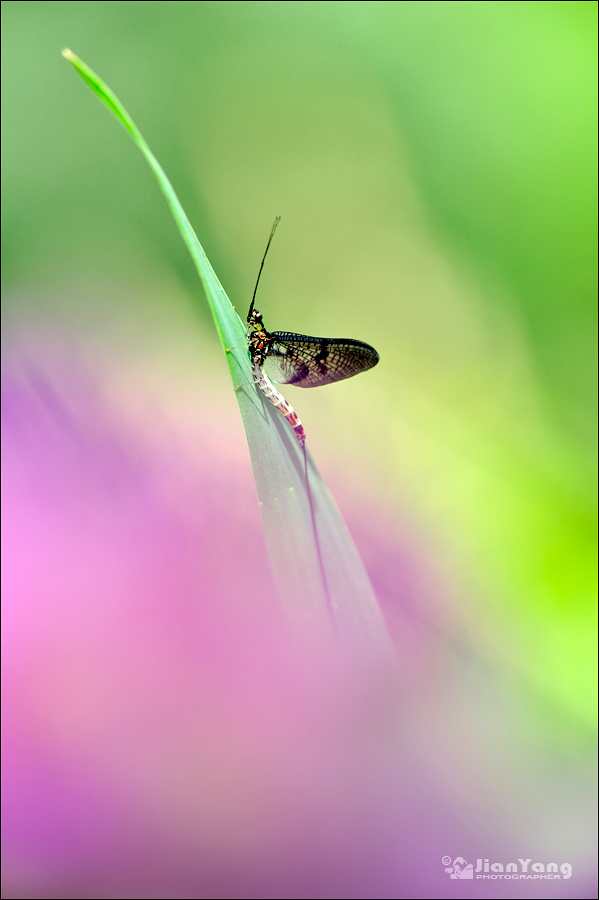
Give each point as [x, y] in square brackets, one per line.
[300, 360]
[259, 343]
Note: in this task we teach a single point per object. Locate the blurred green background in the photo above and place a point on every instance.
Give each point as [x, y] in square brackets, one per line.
[435, 168]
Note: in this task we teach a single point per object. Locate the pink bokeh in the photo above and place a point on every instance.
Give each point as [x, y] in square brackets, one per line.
[166, 733]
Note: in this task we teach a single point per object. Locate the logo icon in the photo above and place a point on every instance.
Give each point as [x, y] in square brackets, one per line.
[459, 868]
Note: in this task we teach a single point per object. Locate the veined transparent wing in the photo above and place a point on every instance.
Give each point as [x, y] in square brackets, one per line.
[310, 361]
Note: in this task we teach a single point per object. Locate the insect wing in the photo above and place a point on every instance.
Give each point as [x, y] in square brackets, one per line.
[310, 362]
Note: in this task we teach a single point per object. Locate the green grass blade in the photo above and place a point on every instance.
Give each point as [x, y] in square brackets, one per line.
[321, 578]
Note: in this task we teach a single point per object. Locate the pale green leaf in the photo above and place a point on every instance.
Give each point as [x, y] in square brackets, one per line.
[321, 578]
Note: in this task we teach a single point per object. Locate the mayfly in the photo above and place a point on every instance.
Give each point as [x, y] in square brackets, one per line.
[297, 359]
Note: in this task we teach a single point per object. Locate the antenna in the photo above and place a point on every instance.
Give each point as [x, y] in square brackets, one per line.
[272, 231]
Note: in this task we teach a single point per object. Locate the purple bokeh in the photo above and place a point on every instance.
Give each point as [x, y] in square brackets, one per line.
[166, 734]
